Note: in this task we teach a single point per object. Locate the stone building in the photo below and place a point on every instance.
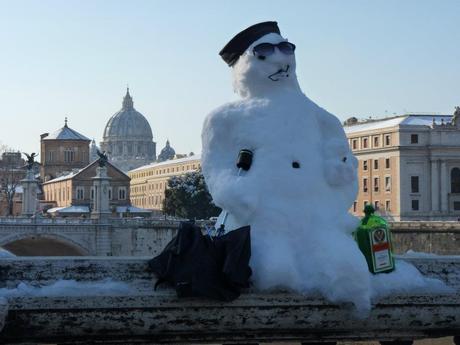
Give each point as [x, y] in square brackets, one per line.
[409, 166]
[76, 188]
[128, 138]
[62, 151]
[148, 183]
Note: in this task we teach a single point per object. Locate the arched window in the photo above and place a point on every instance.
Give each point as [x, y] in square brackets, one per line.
[455, 180]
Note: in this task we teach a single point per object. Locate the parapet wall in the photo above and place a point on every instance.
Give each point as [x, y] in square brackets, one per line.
[147, 237]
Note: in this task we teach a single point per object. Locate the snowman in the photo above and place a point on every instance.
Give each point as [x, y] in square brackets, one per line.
[296, 194]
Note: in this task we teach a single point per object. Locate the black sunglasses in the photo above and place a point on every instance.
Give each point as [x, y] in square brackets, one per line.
[266, 49]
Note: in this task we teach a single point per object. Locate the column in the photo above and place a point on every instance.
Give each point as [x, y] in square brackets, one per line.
[444, 179]
[101, 186]
[434, 186]
[29, 194]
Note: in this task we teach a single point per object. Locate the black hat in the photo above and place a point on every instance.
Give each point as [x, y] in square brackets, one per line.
[238, 44]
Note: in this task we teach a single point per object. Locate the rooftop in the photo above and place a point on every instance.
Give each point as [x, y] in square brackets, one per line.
[168, 162]
[66, 133]
[407, 119]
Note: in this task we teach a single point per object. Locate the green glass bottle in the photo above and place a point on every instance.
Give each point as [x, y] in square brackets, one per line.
[374, 239]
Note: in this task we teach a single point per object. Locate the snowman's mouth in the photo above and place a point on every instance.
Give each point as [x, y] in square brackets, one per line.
[281, 73]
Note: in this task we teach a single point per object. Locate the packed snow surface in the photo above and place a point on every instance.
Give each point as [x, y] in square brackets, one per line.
[106, 287]
[297, 193]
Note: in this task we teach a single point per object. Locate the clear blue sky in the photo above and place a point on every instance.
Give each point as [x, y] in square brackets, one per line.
[74, 58]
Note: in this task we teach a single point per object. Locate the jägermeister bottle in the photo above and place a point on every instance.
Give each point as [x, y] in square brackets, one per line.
[374, 240]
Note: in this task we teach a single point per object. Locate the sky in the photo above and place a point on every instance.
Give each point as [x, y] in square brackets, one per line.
[75, 58]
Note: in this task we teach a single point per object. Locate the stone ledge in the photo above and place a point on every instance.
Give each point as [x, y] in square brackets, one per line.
[147, 316]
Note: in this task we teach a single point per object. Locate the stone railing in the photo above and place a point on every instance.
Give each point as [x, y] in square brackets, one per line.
[145, 316]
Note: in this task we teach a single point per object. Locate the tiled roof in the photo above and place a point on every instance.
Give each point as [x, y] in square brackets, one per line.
[66, 133]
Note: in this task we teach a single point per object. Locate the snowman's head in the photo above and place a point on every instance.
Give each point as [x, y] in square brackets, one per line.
[267, 66]
[263, 61]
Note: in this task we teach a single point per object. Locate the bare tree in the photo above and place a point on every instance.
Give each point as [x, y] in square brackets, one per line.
[11, 172]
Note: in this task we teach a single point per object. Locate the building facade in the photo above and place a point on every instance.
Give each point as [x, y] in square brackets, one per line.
[76, 188]
[149, 182]
[128, 138]
[409, 166]
[62, 151]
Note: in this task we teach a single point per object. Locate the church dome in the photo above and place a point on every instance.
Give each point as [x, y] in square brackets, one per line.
[128, 138]
[127, 123]
[166, 153]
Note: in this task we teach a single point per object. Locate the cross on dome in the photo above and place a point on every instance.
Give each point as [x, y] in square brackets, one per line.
[65, 122]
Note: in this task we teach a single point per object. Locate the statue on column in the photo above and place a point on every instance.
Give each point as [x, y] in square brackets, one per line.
[30, 160]
[102, 158]
[456, 118]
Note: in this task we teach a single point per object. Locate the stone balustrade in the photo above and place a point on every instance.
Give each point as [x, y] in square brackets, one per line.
[145, 316]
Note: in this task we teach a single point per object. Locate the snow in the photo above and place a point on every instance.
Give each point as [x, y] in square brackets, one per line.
[377, 124]
[408, 119]
[300, 225]
[69, 209]
[132, 209]
[5, 253]
[105, 287]
[64, 177]
[405, 279]
[66, 133]
[195, 157]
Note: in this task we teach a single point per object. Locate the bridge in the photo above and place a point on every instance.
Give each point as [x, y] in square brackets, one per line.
[146, 237]
[145, 316]
[85, 237]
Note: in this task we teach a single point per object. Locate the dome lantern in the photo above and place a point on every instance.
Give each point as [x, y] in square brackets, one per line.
[128, 103]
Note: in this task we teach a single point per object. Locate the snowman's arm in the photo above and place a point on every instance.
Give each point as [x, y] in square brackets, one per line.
[222, 141]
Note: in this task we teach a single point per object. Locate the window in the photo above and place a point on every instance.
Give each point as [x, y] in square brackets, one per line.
[376, 184]
[50, 156]
[365, 185]
[414, 205]
[69, 155]
[387, 140]
[387, 163]
[365, 165]
[414, 138]
[414, 184]
[387, 205]
[365, 143]
[365, 203]
[387, 183]
[92, 193]
[455, 180]
[376, 141]
[456, 205]
[355, 206]
[80, 191]
[376, 205]
[121, 193]
[376, 164]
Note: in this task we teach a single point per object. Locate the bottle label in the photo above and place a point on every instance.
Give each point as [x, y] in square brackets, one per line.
[381, 254]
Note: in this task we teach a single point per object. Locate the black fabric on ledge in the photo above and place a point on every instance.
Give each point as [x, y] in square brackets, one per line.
[198, 266]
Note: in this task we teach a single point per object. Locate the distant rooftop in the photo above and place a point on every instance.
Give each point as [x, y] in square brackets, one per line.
[66, 133]
[170, 161]
[407, 119]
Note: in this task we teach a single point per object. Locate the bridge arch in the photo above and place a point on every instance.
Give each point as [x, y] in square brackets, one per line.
[43, 245]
